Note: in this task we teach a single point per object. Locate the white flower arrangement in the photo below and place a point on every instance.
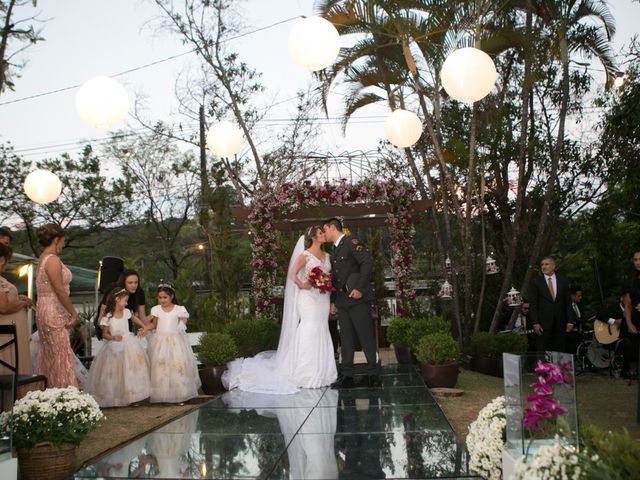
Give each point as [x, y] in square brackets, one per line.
[56, 415]
[486, 440]
[560, 461]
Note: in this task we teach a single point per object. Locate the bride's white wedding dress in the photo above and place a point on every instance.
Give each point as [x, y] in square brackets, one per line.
[304, 358]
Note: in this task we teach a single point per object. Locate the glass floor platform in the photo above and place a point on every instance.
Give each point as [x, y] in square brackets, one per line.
[393, 431]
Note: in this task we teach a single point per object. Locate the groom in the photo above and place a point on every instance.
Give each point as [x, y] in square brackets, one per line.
[351, 266]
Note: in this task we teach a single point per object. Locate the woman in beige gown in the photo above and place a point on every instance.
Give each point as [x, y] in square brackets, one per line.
[13, 310]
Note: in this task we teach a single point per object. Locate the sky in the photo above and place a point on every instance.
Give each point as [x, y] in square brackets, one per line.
[85, 38]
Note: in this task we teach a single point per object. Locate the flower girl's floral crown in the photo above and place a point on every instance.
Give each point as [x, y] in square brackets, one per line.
[167, 285]
[121, 291]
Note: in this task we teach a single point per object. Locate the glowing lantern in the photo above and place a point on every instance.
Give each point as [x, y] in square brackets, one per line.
[513, 298]
[492, 266]
[468, 75]
[403, 128]
[314, 43]
[102, 102]
[42, 186]
[446, 291]
[224, 139]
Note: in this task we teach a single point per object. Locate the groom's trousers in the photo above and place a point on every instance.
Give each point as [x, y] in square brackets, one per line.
[356, 320]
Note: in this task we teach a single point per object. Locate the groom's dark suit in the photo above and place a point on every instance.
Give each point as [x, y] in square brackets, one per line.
[351, 266]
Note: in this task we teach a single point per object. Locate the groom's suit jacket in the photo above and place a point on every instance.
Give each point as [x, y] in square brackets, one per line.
[351, 266]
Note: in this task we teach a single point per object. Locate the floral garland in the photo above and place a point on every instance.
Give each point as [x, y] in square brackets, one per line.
[486, 440]
[290, 197]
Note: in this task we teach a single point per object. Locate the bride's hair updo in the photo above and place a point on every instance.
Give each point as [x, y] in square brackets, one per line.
[310, 234]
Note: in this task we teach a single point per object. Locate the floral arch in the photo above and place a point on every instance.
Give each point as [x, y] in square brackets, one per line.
[270, 205]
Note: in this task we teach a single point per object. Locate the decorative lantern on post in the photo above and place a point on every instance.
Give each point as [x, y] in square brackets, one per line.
[224, 139]
[492, 267]
[102, 102]
[446, 291]
[314, 43]
[468, 74]
[42, 186]
[403, 128]
[513, 298]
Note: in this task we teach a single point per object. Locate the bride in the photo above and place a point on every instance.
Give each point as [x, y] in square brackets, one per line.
[304, 358]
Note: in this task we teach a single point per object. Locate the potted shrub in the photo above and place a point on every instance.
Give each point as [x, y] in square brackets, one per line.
[509, 343]
[47, 428]
[398, 336]
[426, 326]
[214, 352]
[438, 355]
[485, 354]
[253, 336]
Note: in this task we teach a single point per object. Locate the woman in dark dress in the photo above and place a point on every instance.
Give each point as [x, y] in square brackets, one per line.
[130, 281]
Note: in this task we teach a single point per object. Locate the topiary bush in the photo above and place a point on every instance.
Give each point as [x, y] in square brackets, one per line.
[398, 331]
[426, 326]
[511, 343]
[216, 349]
[253, 336]
[484, 344]
[437, 349]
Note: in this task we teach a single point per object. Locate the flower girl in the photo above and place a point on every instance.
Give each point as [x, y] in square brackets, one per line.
[119, 375]
[174, 370]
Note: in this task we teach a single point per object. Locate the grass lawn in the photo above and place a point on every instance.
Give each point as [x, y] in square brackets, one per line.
[609, 403]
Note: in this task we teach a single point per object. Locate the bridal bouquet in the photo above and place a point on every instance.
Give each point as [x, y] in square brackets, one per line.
[320, 279]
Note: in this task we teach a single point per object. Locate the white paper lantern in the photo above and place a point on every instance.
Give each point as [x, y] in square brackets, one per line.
[42, 186]
[468, 75]
[314, 43]
[224, 139]
[403, 128]
[102, 102]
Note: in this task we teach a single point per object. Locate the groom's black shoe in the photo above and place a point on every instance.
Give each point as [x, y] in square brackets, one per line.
[343, 382]
[373, 381]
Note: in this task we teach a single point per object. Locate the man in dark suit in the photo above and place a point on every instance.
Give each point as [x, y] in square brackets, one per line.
[550, 312]
[351, 266]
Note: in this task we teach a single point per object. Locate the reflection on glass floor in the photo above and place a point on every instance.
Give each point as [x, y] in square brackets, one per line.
[396, 431]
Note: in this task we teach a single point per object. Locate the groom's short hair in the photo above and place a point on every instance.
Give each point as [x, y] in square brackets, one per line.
[336, 222]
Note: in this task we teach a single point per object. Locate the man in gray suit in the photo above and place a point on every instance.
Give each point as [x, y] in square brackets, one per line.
[351, 266]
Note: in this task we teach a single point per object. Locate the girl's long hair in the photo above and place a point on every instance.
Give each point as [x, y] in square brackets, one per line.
[110, 304]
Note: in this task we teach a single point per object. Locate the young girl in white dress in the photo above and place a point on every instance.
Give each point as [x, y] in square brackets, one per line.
[119, 374]
[174, 370]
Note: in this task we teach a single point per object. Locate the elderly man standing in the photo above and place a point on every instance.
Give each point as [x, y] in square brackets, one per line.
[551, 311]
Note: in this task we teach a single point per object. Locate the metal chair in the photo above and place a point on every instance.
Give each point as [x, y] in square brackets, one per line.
[13, 381]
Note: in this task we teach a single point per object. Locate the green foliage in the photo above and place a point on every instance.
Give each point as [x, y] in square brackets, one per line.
[494, 345]
[616, 449]
[398, 331]
[216, 349]
[437, 349]
[426, 326]
[253, 336]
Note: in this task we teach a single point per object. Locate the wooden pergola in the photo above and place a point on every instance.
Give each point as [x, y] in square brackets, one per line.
[354, 216]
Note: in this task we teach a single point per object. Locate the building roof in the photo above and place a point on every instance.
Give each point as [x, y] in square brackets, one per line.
[83, 280]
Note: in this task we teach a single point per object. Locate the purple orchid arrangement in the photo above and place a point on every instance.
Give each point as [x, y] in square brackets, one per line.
[541, 404]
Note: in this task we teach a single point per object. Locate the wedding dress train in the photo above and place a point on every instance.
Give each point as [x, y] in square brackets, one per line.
[304, 358]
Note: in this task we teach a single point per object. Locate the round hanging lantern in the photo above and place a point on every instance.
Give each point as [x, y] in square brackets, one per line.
[224, 139]
[446, 291]
[492, 266]
[468, 75]
[513, 298]
[403, 128]
[314, 43]
[42, 186]
[102, 102]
